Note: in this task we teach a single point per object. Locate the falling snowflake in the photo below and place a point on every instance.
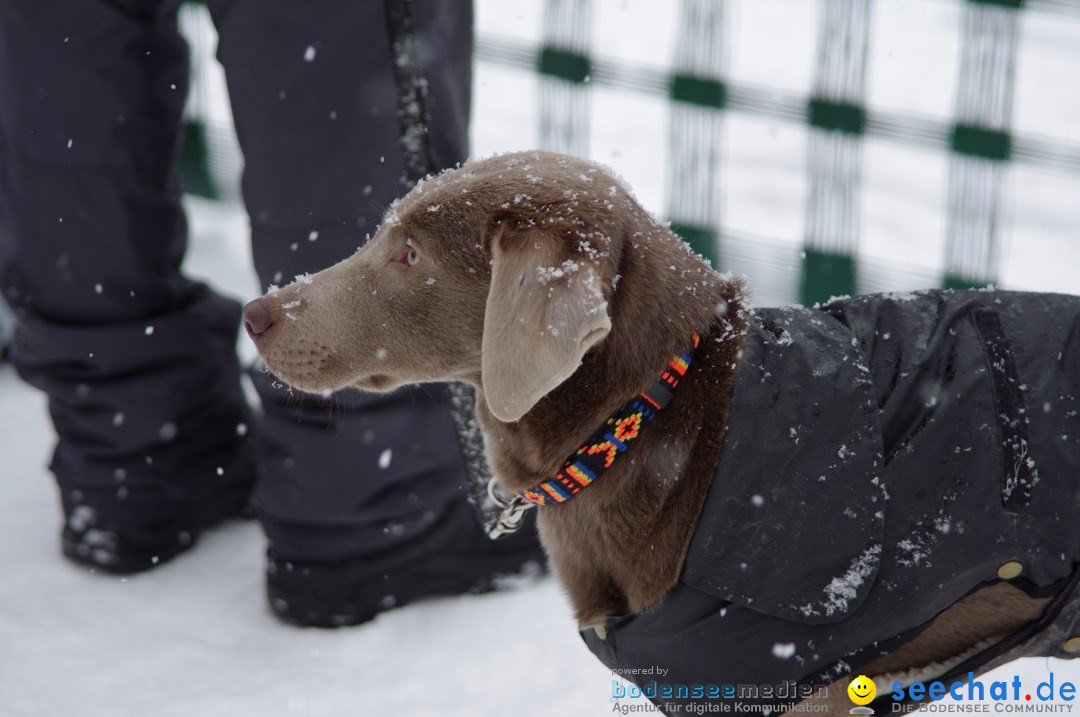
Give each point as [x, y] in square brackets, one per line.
[783, 650]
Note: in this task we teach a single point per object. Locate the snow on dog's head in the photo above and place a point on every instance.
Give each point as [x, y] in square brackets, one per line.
[498, 273]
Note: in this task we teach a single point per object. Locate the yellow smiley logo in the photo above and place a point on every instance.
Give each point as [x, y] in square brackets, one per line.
[862, 690]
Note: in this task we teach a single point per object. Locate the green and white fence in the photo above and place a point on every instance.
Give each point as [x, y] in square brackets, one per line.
[853, 163]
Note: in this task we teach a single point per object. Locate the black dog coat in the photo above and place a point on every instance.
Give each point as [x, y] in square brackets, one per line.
[884, 457]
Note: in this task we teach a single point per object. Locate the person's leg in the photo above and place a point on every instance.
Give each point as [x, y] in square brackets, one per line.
[315, 110]
[315, 106]
[138, 362]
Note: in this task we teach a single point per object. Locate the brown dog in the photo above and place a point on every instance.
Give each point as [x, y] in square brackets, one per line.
[541, 281]
[502, 274]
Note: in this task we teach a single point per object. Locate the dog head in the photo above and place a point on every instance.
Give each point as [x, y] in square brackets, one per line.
[499, 273]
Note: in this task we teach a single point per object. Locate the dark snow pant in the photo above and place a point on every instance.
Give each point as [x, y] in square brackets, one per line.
[138, 361]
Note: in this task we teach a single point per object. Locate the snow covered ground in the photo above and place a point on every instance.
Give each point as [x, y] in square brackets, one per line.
[195, 638]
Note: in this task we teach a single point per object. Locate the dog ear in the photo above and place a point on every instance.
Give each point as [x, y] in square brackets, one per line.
[543, 313]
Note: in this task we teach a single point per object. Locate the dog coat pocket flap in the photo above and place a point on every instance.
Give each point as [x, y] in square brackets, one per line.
[792, 524]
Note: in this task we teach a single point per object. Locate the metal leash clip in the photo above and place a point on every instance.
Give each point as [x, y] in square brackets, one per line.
[513, 512]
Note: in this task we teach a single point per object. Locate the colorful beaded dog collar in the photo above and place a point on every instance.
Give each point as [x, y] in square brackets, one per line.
[599, 453]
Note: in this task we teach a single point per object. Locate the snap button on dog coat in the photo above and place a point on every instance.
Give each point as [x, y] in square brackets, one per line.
[1010, 570]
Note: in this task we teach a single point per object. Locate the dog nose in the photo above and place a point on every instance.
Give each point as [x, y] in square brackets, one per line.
[257, 317]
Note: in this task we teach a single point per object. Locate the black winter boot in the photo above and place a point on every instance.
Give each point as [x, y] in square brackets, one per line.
[453, 558]
[130, 546]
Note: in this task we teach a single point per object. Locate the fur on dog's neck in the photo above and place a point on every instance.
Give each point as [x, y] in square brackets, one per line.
[659, 302]
[620, 545]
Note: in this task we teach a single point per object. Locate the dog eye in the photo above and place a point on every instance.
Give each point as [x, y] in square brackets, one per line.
[406, 254]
